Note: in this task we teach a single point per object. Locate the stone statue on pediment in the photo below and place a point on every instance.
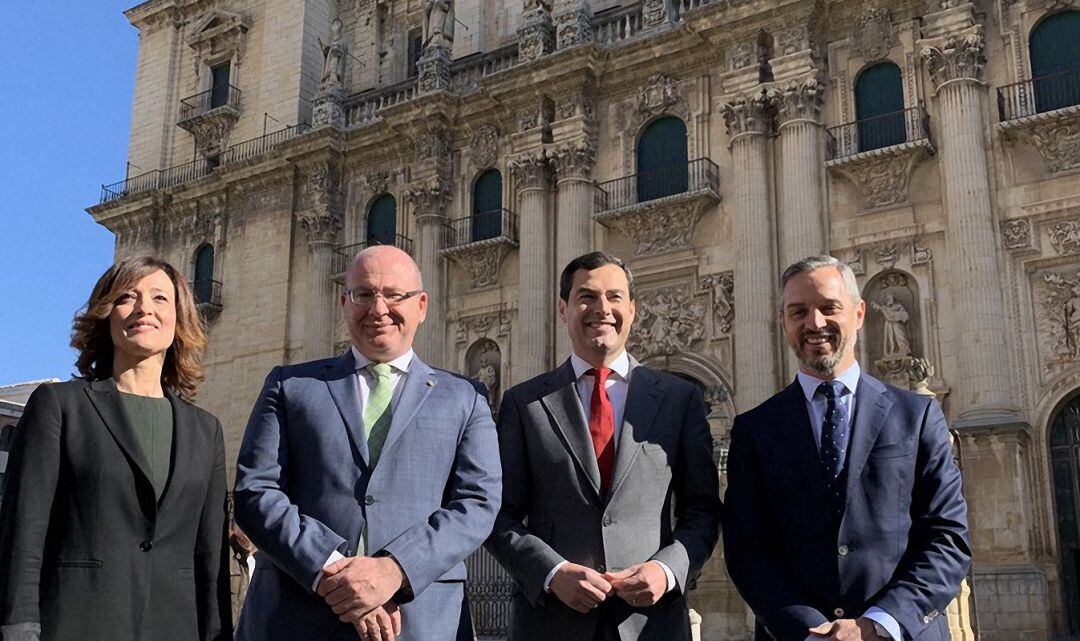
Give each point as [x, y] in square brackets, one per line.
[438, 24]
[334, 54]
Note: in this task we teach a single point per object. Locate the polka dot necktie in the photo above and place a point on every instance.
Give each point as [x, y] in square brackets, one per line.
[835, 433]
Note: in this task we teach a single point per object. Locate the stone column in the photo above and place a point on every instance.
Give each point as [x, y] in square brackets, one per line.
[573, 215]
[321, 219]
[955, 60]
[756, 275]
[531, 340]
[801, 225]
[430, 201]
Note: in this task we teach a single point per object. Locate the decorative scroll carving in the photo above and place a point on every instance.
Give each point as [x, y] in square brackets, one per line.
[920, 255]
[800, 100]
[748, 114]
[434, 143]
[744, 54]
[536, 114]
[1065, 237]
[481, 259]
[578, 104]
[873, 35]
[855, 262]
[212, 131]
[657, 95]
[957, 56]
[485, 146]
[657, 226]
[1017, 234]
[887, 256]
[722, 289]
[882, 175]
[794, 40]
[1055, 136]
[379, 181]
[669, 320]
[433, 70]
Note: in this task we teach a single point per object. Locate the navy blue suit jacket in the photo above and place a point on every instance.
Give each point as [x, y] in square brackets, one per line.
[900, 543]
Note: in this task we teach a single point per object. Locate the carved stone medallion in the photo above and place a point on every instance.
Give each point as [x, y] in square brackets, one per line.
[1065, 237]
[1016, 234]
[873, 35]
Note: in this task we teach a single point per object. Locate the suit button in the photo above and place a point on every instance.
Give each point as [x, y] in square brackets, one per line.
[146, 546]
[607, 521]
[369, 499]
[842, 550]
[838, 612]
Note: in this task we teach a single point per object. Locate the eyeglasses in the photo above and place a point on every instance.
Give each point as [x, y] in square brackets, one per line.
[366, 297]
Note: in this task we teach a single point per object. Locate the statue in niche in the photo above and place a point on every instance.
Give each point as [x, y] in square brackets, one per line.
[895, 335]
[334, 54]
[487, 374]
[482, 363]
[438, 24]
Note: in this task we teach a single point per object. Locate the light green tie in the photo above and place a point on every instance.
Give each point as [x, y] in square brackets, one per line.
[377, 412]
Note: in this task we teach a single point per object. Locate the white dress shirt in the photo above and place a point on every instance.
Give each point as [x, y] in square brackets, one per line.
[816, 405]
[616, 385]
[365, 380]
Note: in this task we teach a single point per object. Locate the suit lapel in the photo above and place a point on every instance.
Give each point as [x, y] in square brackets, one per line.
[183, 432]
[871, 410]
[341, 379]
[564, 405]
[799, 435]
[419, 383]
[106, 400]
[639, 414]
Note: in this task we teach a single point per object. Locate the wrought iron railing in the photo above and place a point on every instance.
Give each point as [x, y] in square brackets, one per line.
[201, 103]
[162, 178]
[490, 588]
[1039, 95]
[343, 254]
[615, 26]
[483, 226]
[262, 144]
[207, 292]
[695, 175]
[886, 130]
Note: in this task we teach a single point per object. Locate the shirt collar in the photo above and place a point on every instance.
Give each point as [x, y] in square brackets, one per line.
[401, 363]
[620, 366]
[849, 377]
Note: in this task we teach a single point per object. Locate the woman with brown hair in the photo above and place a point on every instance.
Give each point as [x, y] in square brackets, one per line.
[113, 524]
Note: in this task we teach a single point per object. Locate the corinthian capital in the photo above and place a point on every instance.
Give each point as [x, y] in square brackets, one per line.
[531, 171]
[575, 159]
[748, 113]
[430, 198]
[957, 56]
[800, 100]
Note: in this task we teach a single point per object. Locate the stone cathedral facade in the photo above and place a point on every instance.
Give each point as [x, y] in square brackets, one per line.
[935, 146]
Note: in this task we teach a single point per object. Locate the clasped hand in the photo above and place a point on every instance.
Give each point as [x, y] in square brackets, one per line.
[358, 590]
[861, 629]
[583, 589]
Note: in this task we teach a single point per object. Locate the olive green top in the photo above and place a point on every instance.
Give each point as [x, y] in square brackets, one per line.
[152, 419]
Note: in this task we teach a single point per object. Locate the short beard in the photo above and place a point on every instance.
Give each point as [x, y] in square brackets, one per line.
[825, 365]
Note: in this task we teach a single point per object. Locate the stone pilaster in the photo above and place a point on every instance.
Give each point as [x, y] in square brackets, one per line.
[321, 220]
[955, 61]
[430, 198]
[573, 24]
[801, 225]
[747, 117]
[532, 337]
[573, 163]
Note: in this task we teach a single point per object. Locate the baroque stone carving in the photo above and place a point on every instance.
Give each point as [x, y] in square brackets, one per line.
[335, 54]
[433, 70]
[657, 95]
[653, 13]
[794, 40]
[321, 217]
[1065, 237]
[485, 146]
[722, 289]
[573, 27]
[800, 100]
[461, 334]
[1016, 234]
[1057, 316]
[669, 320]
[882, 175]
[379, 181]
[920, 255]
[531, 171]
[537, 114]
[212, 132]
[887, 256]
[536, 37]
[895, 318]
[744, 54]
[873, 35]
[956, 56]
[224, 40]
[434, 143]
[578, 104]
[484, 361]
[1057, 139]
[575, 159]
[481, 259]
[748, 114]
[656, 226]
[855, 262]
[429, 198]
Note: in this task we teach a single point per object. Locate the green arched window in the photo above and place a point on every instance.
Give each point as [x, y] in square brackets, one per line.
[879, 107]
[1055, 61]
[661, 159]
[204, 273]
[1065, 474]
[487, 206]
[382, 221]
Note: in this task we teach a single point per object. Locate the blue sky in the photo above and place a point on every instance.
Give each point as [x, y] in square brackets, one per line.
[69, 70]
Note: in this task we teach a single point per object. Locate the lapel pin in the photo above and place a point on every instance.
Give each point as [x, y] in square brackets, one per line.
[430, 383]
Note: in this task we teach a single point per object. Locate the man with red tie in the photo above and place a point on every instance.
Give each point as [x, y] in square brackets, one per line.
[610, 493]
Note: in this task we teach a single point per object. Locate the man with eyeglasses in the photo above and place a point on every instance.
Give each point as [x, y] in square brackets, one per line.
[366, 479]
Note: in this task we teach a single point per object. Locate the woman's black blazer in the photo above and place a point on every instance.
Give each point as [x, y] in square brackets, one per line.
[86, 550]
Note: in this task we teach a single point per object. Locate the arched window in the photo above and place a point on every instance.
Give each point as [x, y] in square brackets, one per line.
[1065, 470]
[487, 206]
[382, 221]
[661, 159]
[204, 273]
[879, 107]
[1055, 61]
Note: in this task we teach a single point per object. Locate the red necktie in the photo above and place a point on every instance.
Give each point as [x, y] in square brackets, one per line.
[602, 426]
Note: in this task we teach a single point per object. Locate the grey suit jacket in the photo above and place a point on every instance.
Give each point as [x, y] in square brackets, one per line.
[304, 489]
[663, 504]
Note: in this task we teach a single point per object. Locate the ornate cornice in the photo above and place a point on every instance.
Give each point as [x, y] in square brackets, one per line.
[957, 56]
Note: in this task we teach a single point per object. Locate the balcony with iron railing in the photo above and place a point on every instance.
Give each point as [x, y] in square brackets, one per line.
[198, 168]
[695, 176]
[879, 132]
[343, 254]
[207, 297]
[225, 99]
[498, 225]
[1039, 95]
